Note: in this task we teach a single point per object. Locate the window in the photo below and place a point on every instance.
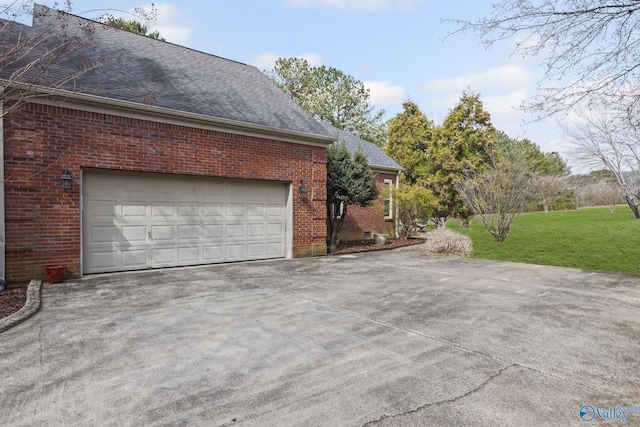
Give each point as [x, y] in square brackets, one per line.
[388, 201]
[337, 210]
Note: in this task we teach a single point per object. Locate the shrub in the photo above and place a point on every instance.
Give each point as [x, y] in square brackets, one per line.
[414, 203]
[447, 242]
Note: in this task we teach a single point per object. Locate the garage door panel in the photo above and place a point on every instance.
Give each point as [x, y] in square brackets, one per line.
[134, 258]
[135, 222]
[105, 260]
[161, 257]
[106, 234]
[256, 250]
[255, 230]
[162, 233]
[214, 253]
[275, 230]
[134, 210]
[213, 231]
[256, 211]
[189, 232]
[235, 252]
[189, 211]
[272, 249]
[214, 211]
[275, 211]
[189, 254]
[235, 210]
[160, 210]
[106, 209]
[234, 230]
[134, 233]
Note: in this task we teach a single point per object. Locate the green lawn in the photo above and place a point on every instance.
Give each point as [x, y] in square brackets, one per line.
[589, 238]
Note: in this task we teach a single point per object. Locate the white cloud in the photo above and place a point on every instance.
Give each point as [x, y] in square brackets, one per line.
[266, 60]
[509, 76]
[312, 58]
[169, 24]
[174, 34]
[357, 5]
[384, 93]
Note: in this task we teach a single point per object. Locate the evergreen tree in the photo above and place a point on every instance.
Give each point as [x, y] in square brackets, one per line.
[466, 141]
[349, 181]
[409, 135]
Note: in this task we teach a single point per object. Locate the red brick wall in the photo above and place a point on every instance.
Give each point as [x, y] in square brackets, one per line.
[359, 219]
[43, 221]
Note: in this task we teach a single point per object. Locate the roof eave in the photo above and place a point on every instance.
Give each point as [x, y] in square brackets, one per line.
[99, 104]
[386, 169]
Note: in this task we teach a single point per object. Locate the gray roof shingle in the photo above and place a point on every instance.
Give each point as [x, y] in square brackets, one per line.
[375, 156]
[143, 70]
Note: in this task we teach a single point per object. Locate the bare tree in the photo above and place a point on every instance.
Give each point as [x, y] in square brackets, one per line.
[547, 188]
[29, 54]
[38, 59]
[497, 194]
[610, 140]
[593, 42]
[601, 193]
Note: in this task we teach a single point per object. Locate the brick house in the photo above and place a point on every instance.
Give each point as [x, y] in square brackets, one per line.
[163, 156]
[363, 223]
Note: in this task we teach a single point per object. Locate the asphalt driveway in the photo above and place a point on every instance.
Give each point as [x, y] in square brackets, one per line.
[378, 339]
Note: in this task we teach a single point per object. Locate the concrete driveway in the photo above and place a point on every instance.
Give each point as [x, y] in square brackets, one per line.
[379, 339]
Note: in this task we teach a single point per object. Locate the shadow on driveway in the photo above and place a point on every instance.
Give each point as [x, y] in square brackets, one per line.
[381, 339]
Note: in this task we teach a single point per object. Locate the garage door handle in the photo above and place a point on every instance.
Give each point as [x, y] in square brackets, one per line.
[150, 237]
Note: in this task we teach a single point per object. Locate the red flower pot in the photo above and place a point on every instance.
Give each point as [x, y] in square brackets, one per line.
[55, 272]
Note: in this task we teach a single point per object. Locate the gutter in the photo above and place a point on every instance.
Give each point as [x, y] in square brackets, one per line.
[385, 169]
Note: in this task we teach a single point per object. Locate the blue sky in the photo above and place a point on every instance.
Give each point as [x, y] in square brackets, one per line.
[398, 48]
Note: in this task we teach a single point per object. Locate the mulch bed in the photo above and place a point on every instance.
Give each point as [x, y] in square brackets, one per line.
[12, 300]
[354, 246]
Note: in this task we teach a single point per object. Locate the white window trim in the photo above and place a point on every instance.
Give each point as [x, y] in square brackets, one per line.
[340, 210]
[390, 198]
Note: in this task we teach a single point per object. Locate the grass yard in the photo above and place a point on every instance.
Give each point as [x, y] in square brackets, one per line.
[588, 238]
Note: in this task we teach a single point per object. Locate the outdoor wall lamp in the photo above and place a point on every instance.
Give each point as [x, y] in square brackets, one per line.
[304, 194]
[66, 179]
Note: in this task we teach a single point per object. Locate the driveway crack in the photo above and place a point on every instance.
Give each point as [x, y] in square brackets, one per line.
[440, 402]
[414, 332]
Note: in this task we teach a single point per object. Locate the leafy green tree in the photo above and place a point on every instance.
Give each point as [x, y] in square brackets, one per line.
[331, 96]
[409, 135]
[130, 25]
[349, 181]
[465, 141]
[413, 203]
[541, 163]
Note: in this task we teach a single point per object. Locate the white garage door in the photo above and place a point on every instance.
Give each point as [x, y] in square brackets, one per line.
[140, 222]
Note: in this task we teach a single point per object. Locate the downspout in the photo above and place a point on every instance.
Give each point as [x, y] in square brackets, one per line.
[396, 205]
[2, 224]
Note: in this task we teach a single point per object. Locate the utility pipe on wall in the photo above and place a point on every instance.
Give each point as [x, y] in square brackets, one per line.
[2, 225]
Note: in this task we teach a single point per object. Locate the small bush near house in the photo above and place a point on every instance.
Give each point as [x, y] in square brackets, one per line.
[447, 242]
[414, 203]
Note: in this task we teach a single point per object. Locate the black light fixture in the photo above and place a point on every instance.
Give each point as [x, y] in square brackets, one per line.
[66, 179]
[304, 194]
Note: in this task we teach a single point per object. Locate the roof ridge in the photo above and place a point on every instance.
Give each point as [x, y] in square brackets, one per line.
[109, 27]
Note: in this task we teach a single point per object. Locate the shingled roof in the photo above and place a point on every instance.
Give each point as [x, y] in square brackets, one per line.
[141, 70]
[376, 158]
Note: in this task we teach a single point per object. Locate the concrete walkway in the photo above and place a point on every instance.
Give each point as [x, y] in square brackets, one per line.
[378, 339]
